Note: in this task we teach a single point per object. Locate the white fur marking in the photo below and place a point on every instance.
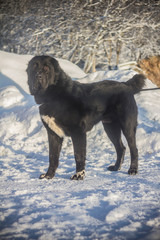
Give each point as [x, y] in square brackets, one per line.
[50, 121]
[78, 175]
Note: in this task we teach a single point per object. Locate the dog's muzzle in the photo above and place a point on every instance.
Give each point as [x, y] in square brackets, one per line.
[36, 85]
[38, 76]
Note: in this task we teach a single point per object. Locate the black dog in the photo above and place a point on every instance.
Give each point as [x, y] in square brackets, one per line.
[71, 108]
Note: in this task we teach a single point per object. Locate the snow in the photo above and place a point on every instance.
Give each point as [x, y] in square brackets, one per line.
[106, 205]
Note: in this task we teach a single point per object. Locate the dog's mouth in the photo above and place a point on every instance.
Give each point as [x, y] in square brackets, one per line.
[35, 89]
[38, 86]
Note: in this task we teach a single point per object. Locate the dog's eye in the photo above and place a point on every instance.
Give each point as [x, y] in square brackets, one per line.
[35, 65]
[46, 68]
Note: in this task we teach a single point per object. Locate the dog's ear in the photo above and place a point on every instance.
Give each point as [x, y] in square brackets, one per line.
[57, 69]
[56, 65]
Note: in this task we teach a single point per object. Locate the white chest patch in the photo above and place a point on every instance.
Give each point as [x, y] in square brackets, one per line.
[50, 121]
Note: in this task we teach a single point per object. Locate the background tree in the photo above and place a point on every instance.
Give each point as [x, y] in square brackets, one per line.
[93, 34]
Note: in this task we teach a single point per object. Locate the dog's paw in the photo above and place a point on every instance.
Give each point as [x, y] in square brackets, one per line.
[78, 175]
[132, 171]
[45, 176]
[113, 168]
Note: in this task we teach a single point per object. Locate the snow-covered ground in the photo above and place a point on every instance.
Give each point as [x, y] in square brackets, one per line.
[106, 205]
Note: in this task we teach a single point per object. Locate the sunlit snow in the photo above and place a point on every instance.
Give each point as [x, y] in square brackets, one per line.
[106, 205]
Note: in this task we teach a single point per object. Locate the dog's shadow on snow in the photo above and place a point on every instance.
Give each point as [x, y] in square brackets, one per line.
[6, 81]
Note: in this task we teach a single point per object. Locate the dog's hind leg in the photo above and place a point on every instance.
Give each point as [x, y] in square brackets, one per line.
[55, 143]
[113, 131]
[128, 121]
[129, 132]
[79, 145]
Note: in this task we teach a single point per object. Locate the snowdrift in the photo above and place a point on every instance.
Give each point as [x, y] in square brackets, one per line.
[106, 205]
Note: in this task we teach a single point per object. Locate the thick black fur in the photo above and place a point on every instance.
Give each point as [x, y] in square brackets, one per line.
[77, 107]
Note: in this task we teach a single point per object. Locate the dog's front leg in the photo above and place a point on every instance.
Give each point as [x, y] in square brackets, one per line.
[79, 145]
[55, 143]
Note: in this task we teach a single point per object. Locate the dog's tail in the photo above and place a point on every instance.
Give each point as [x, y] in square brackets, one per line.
[136, 83]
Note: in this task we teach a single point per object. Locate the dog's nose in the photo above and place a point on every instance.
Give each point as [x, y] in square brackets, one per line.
[39, 74]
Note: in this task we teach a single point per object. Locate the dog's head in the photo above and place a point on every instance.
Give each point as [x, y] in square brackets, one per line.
[43, 71]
